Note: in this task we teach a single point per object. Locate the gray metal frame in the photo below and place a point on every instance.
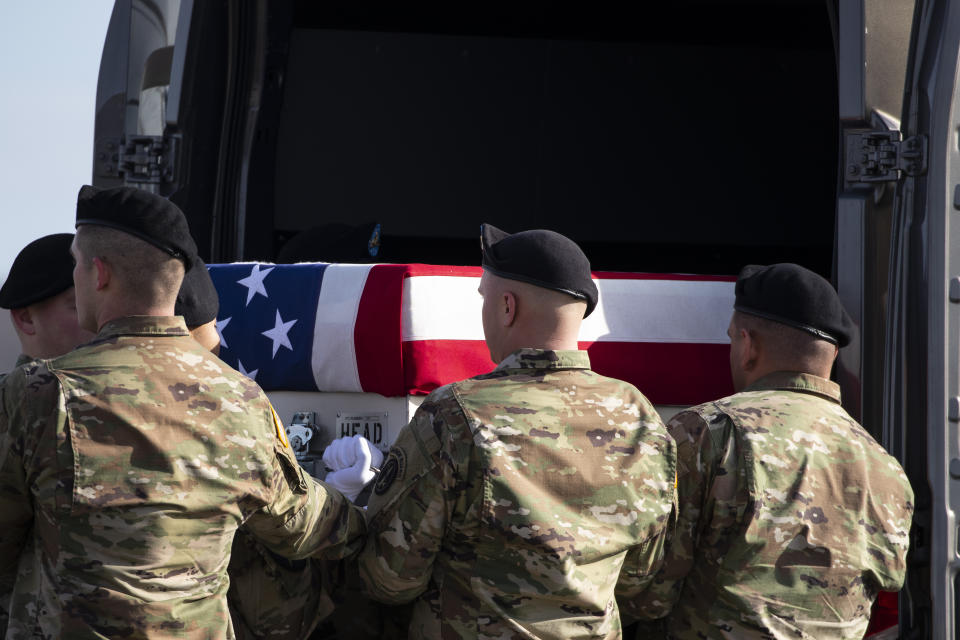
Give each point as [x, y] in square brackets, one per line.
[941, 264]
[922, 380]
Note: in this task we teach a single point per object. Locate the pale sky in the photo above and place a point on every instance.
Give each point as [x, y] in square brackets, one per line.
[49, 60]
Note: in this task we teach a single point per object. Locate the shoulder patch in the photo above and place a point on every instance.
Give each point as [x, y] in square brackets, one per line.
[393, 468]
[281, 431]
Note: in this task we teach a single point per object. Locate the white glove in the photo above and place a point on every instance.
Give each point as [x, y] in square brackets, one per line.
[341, 453]
[351, 459]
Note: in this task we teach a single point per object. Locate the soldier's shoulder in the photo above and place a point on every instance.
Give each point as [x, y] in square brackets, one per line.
[765, 399]
[791, 409]
[613, 387]
[97, 354]
[619, 401]
[30, 378]
[474, 394]
[29, 389]
[710, 414]
[477, 391]
[223, 381]
[613, 384]
[781, 407]
[442, 407]
[444, 393]
[438, 405]
[751, 397]
[696, 422]
[160, 367]
[443, 422]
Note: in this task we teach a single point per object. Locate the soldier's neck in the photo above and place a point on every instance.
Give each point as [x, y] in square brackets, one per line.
[109, 313]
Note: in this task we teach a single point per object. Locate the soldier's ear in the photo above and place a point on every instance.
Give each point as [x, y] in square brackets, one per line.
[23, 320]
[509, 308]
[104, 273]
[751, 349]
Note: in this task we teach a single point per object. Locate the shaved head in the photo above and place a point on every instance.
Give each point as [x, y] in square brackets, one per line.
[539, 300]
[146, 273]
[759, 346]
[116, 274]
[519, 315]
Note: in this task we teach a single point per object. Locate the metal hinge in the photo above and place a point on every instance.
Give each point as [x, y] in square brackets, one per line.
[880, 156]
[138, 159]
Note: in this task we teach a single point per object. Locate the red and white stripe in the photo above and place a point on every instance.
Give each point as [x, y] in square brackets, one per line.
[334, 358]
[406, 329]
[666, 334]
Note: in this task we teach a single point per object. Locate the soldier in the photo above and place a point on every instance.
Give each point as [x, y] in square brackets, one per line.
[791, 517]
[131, 461]
[39, 294]
[198, 303]
[509, 504]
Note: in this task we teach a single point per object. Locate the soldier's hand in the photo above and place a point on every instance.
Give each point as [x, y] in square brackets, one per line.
[364, 460]
[341, 453]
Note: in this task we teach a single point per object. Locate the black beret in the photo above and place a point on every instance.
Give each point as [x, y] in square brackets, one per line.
[334, 242]
[794, 296]
[197, 301]
[541, 257]
[140, 213]
[41, 270]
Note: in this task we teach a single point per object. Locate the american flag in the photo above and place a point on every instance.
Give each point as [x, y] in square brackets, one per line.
[406, 329]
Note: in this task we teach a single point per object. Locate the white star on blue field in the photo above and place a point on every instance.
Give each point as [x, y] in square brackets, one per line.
[279, 334]
[254, 282]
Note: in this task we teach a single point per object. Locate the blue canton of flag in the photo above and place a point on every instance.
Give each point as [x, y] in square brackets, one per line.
[266, 321]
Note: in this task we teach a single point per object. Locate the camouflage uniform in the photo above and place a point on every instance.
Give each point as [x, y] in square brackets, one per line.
[21, 360]
[513, 500]
[130, 463]
[791, 518]
[6, 580]
[272, 597]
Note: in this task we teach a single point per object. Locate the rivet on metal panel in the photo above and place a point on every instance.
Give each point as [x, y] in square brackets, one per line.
[955, 469]
[954, 289]
[953, 410]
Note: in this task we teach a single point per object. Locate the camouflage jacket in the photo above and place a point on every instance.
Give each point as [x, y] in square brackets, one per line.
[791, 518]
[6, 580]
[272, 597]
[22, 359]
[512, 501]
[129, 464]
[275, 597]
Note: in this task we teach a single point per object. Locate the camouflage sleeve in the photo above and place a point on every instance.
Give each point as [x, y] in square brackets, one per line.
[640, 569]
[16, 514]
[411, 501]
[305, 517]
[642, 562]
[697, 459]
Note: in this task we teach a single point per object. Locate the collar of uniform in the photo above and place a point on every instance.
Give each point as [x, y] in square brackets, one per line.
[545, 359]
[23, 359]
[144, 326]
[795, 381]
